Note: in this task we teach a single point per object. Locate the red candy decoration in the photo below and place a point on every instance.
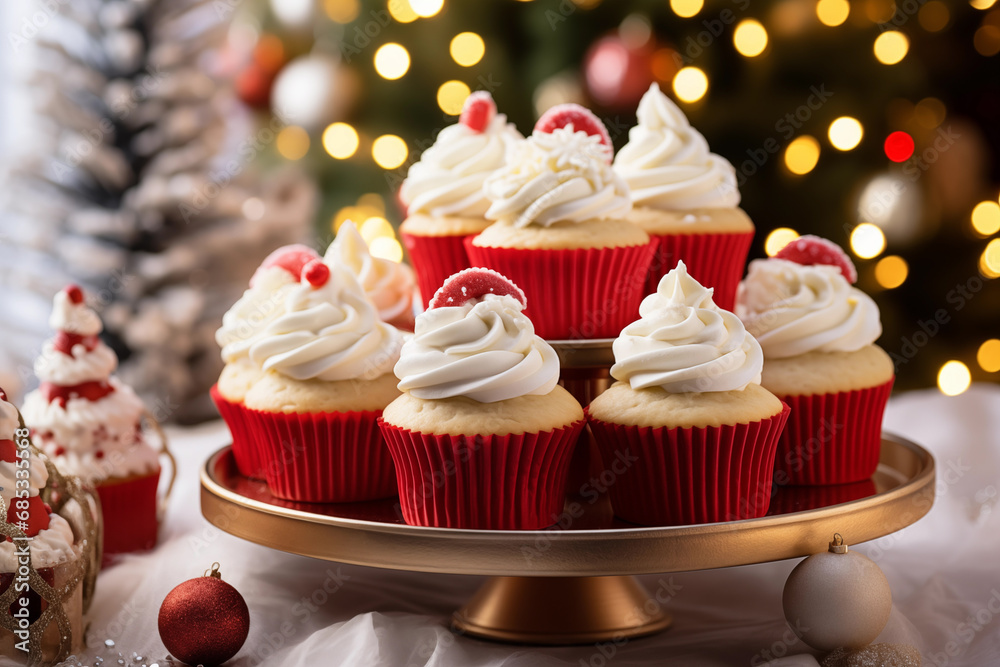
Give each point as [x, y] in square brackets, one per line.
[292, 258]
[91, 391]
[204, 621]
[474, 284]
[65, 341]
[38, 516]
[316, 273]
[478, 111]
[810, 250]
[74, 293]
[3, 394]
[582, 120]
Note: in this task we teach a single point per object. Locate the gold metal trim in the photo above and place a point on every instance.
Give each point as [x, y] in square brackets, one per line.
[580, 553]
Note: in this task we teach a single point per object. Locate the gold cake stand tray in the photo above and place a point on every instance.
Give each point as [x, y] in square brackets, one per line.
[572, 584]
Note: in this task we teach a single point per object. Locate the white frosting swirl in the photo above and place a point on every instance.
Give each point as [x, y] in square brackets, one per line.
[387, 284]
[83, 366]
[667, 163]
[260, 305]
[554, 177]
[485, 350]
[328, 333]
[448, 179]
[37, 474]
[684, 343]
[76, 318]
[793, 309]
[93, 439]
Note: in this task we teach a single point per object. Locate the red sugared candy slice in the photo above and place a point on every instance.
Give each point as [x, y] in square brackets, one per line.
[478, 111]
[474, 284]
[292, 258]
[582, 120]
[316, 273]
[74, 293]
[38, 515]
[810, 250]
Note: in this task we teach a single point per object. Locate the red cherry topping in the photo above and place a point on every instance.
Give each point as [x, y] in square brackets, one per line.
[74, 293]
[582, 120]
[478, 111]
[291, 258]
[317, 273]
[38, 515]
[809, 250]
[474, 284]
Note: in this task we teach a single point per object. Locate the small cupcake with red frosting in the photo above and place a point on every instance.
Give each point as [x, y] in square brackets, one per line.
[443, 191]
[89, 423]
[560, 230]
[818, 334]
[242, 325]
[482, 435]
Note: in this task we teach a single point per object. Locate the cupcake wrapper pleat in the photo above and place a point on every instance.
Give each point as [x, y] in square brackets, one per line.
[248, 459]
[327, 457]
[130, 509]
[714, 260]
[575, 294]
[832, 438]
[681, 476]
[492, 482]
[435, 259]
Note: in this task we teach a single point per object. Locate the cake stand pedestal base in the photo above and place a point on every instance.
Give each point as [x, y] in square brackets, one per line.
[558, 611]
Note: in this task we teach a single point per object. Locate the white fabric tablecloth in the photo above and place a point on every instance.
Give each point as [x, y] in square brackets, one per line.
[943, 570]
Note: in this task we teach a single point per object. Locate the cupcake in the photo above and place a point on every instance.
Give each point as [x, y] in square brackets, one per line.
[818, 334]
[52, 551]
[89, 423]
[443, 192]
[685, 197]
[687, 429]
[242, 325]
[560, 232]
[482, 435]
[326, 363]
[387, 284]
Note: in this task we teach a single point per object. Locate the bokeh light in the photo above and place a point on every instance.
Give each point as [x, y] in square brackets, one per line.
[981, 4]
[686, 8]
[899, 146]
[342, 11]
[467, 48]
[930, 112]
[750, 38]
[954, 378]
[400, 10]
[376, 227]
[867, 241]
[451, 96]
[891, 47]
[690, 84]
[989, 261]
[392, 61]
[802, 155]
[986, 218]
[292, 142]
[987, 40]
[934, 16]
[833, 12]
[891, 271]
[778, 239]
[988, 356]
[845, 133]
[426, 8]
[340, 140]
[386, 248]
[389, 151]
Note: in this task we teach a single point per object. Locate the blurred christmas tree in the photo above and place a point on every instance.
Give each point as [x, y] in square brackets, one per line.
[869, 122]
[138, 187]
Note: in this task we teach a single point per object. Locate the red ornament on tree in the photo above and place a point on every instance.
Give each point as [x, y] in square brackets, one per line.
[616, 73]
[204, 621]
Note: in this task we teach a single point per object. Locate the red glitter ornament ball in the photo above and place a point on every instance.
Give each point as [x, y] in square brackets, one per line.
[204, 621]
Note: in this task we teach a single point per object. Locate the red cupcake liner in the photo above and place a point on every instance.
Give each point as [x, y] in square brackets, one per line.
[435, 259]
[582, 293]
[130, 514]
[832, 438]
[714, 260]
[324, 457]
[492, 482]
[682, 476]
[248, 459]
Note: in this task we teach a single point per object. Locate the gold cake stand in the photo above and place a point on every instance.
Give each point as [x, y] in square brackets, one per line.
[572, 583]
